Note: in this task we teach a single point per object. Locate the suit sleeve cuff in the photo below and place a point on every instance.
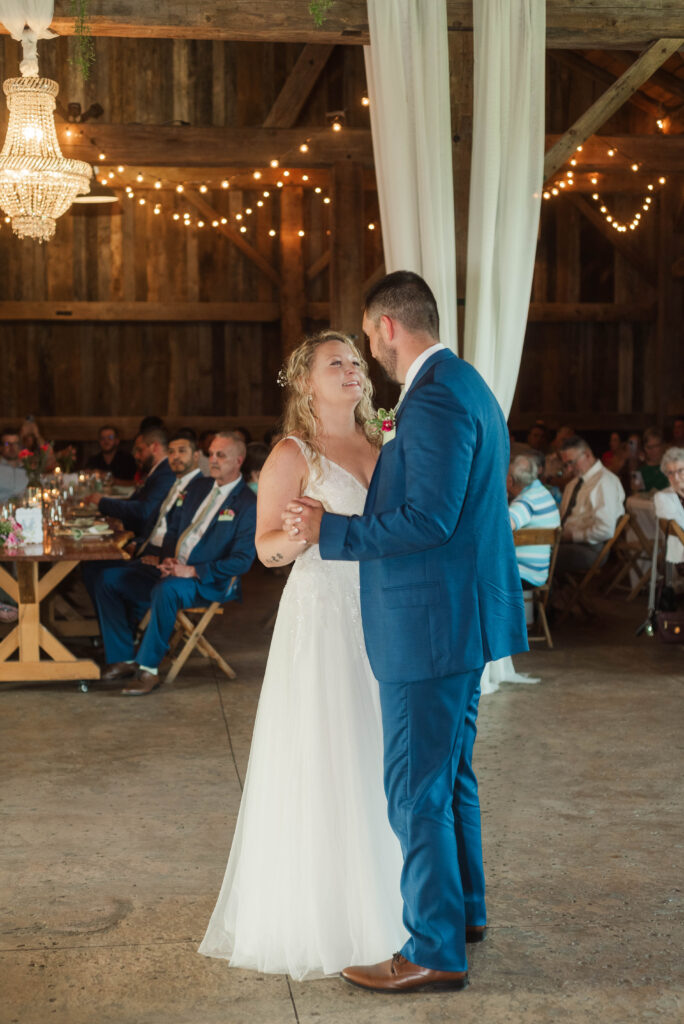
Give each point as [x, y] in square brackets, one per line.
[332, 536]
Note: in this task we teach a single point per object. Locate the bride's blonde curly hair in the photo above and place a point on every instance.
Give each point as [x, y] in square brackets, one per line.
[299, 415]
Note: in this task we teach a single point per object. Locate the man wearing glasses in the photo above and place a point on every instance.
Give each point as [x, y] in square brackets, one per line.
[110, 458]
[592, 503]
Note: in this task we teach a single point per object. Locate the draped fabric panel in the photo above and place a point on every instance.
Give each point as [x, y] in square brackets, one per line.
[407, 68]
[28, 21]
[509, 40]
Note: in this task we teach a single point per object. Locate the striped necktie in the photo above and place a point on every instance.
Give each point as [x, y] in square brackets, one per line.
[168, 502]
[573, 501]
[212, 502]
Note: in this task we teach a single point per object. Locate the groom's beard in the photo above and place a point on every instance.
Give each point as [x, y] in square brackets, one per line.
[387, 359]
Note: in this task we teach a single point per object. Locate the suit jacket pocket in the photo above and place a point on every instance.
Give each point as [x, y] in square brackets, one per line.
[416, 595]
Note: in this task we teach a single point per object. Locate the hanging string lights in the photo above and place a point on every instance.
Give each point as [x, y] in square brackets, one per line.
[620, 224]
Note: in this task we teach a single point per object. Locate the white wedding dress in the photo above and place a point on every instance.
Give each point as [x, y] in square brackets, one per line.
[312, 883]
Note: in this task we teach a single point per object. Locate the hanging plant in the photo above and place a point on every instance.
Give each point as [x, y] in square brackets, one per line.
[85, 44]
[318, 10]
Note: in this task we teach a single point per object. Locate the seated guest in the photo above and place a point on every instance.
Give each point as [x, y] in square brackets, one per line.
[669, 503]
[183, 462]
[11, 446]
[244, 433]
[626, 463]
[257, 453]
[110, 458]
[678, 431]
[214, 543]
[530, 507]
[654, 448]
[31, 439]
[536, 437]
[592, 504]
[614, 444]
[136, 512]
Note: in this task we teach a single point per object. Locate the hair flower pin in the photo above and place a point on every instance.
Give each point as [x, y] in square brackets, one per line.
[282, 379]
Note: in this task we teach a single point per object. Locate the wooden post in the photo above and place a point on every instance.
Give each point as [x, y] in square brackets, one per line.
[292, 294]
[605, 106]
[668, 327]
[346, 249]
[461, 90]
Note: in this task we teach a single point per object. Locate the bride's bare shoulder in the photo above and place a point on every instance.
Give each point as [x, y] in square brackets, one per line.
[287, 458]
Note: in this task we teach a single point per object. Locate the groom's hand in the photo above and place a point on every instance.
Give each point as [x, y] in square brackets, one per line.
[302, 520]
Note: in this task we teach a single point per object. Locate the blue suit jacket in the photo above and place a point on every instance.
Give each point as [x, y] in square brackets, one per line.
[140, 511]
[227, 547]
[440, 588]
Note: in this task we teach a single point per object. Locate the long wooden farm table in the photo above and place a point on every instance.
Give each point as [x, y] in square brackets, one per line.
[30, 638]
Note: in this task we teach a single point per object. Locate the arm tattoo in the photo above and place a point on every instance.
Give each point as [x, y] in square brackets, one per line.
[277, 557]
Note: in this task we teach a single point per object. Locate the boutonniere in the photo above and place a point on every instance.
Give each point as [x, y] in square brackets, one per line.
[226, 515]
[180, 499]
[386, 423]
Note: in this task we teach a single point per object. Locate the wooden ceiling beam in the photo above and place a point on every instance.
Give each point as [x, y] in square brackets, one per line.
[162, 312]
[575, 62]
[664, 80]
[203, 207]
[605, 106]
[583, 24]
[297, 88]
[205, 145]
[657, 153]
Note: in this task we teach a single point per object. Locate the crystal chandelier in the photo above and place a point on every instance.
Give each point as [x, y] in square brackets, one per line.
[37, 183]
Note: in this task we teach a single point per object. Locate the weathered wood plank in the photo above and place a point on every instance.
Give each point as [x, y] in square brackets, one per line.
[590, 312]
[583, 24]
[298, 86]
[140, 311]
[346, 249]
[292, 294]
[621, 242]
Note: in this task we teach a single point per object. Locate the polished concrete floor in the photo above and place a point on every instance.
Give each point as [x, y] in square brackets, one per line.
[118, 813]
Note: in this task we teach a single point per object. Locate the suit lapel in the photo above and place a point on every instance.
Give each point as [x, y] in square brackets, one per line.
[434, 359]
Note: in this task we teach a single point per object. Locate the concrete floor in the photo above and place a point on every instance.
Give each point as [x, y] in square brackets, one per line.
[118, 815]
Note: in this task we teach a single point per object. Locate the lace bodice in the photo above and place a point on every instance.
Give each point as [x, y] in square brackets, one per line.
[336, 488]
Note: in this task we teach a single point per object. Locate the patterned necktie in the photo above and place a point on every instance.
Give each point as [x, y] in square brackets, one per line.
[168, 502]
[573, 501]
[214, 500]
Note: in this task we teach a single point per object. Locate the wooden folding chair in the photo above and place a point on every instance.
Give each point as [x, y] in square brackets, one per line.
[540, 594]
[580, 585]
[631, 548]
[191, 635]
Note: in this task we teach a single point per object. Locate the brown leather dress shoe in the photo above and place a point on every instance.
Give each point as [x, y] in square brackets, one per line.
[400, 975]
[118, 670]
[476, 932]
[145, 682]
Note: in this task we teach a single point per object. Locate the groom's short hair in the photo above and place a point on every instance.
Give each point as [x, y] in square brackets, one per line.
[406, 297]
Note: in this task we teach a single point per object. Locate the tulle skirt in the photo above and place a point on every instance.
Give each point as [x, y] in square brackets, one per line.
[312, 883]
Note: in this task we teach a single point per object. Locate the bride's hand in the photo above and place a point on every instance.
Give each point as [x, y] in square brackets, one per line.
[302, 520]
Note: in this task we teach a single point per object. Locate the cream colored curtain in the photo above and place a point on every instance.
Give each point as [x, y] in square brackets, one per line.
[407, 68]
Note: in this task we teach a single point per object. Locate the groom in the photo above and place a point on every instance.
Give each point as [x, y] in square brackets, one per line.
[440, 597]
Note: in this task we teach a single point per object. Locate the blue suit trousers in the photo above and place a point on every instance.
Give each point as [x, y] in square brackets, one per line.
[429, 729]
[124, 594]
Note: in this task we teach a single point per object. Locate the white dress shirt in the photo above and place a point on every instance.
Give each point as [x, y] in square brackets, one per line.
[668, 506]
[160, 527]
[204, 517]
[600, 503]
[415, 366]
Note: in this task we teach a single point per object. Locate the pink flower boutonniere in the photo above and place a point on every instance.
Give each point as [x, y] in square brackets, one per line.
[226, 515]
[386, 423]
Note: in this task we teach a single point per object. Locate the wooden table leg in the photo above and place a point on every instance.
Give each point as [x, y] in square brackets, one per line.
[30, 636]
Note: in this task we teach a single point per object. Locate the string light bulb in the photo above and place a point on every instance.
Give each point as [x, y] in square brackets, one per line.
[225, 183]
[139, 177]
[272, 233]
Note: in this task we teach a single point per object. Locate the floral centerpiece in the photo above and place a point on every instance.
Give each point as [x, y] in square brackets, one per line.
[11, 535]
[34, 462]
[66, 459]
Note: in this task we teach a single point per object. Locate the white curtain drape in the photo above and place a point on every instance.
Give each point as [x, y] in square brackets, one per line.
[509, 40]
[28, 21]
[407, 68]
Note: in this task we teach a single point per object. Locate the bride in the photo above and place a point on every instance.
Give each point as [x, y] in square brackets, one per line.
[312, 882]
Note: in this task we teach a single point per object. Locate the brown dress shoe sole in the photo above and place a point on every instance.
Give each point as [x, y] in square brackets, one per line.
[475, 933]
[425, 986]
[141, 693]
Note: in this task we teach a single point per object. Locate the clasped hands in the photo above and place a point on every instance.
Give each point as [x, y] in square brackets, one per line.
[172, 567]
[302, 520]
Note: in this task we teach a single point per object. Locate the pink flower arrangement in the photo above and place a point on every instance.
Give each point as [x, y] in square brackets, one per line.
[11, 535]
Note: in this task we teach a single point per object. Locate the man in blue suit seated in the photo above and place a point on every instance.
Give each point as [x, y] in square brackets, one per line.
[440, 597]
[183, 459]
[138, 512]
[214, 543]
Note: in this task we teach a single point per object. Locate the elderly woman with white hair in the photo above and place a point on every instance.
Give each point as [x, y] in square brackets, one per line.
[531, 506]
[669, 503]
